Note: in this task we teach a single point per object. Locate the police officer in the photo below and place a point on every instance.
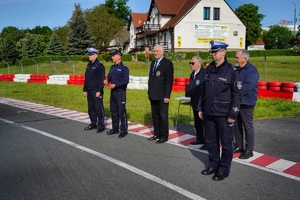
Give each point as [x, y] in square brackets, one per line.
[194, 90]
[219, 109]
[93, 90]
[118, 78]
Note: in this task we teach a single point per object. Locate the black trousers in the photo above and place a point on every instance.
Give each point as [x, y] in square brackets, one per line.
[160, 117]
[118, 111]
[198, 124]
[217, 131]
[245, 124]
[95, 109]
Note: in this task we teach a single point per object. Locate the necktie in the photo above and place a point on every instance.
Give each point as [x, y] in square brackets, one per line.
[155, 65]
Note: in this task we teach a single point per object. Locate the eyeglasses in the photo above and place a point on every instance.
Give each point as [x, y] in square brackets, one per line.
[192, 63]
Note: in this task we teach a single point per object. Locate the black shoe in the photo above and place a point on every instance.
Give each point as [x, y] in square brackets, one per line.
[154, 137]
[209, 171]
[90, 127]
[100, 130]
[111, 132]
[121, 135]
[196, 142]
[160, 141]
[237, 150]
[220, 176]
[246, 155]
[204, 147]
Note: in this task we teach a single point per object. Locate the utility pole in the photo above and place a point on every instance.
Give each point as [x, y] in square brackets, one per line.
[295, 19]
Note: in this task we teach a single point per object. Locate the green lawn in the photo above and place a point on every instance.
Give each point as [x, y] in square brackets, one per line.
[138, 108]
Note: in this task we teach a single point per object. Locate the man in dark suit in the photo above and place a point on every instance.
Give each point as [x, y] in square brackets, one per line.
[159, 91]
[195, 91]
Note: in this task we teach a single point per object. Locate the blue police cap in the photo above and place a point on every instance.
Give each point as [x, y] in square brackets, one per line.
[215, 45]
[116, 52]
[92, 51]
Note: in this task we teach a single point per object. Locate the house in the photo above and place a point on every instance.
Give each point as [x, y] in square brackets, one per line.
[185, 25]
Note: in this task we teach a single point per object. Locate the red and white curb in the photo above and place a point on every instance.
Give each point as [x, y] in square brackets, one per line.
[262, 161]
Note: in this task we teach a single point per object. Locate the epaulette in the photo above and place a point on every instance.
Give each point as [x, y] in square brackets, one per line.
[234, 67]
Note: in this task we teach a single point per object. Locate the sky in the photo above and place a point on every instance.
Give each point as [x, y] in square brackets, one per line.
[24, 14]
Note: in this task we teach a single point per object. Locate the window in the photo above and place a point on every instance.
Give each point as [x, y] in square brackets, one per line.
[216, 13]
[206, 13]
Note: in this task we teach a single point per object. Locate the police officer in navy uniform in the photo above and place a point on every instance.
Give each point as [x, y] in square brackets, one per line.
[118, 78]
[195, 90]
[219, 108]
[159, 91]
[93, 90]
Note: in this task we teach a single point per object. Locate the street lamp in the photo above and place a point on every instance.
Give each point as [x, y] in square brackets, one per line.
[295, 19]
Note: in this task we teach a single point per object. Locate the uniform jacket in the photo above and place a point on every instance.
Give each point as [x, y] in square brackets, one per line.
[119, 75]
[161, 81]
[222, 92]
[195, 88]
[94, 77]
[249, 76]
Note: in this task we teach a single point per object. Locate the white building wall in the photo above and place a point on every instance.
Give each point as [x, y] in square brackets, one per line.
[187, 36]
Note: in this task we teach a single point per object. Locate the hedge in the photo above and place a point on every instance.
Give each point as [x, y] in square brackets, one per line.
[141, 56]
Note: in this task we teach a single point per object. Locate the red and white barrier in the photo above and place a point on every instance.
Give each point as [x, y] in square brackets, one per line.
[282, 90]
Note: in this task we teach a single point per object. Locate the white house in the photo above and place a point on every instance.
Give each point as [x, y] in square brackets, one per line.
[185, 25]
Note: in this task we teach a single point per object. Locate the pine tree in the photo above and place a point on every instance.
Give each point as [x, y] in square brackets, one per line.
[79, 34]
[55, 47]
[9, 52]
[31, 46]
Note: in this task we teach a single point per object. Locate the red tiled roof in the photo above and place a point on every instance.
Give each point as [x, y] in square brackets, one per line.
[138, 19]
[169, 7]
[185, 7]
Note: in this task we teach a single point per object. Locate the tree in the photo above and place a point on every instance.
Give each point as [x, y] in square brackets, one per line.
[31, 45]
[248, 14]
[9, 52]
[277, 37]
[79, 34]
[119, 9]
[62, 34]
[13, 33]
[44, 31]
[55, 47]
[103, 25]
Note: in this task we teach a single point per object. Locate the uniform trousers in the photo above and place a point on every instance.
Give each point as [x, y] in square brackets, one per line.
[245, 122]
[118, 111]
[198, 124]
[95, 109]
[218, 131]
[160, 117]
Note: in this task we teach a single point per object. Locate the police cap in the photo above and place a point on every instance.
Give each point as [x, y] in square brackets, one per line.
[92, 51]
[116, 52]
[216, 45]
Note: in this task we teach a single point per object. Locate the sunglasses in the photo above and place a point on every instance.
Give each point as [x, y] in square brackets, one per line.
[192, 63]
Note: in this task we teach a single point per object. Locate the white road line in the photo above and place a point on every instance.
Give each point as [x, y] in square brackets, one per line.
[113, 160]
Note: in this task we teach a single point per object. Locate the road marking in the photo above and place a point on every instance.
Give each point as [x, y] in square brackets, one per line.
[260, 161]
[112, 160]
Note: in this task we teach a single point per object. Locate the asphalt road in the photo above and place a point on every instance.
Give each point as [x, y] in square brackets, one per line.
[48, 157]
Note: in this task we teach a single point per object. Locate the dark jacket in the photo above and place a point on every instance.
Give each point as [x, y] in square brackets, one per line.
[118, 75]
[161, 81]
[249, 76]
[195, 89]
[222, 93]
[94, 77]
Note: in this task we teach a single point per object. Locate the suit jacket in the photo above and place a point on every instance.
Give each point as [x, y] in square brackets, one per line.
[161, 81]
[196, 88]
